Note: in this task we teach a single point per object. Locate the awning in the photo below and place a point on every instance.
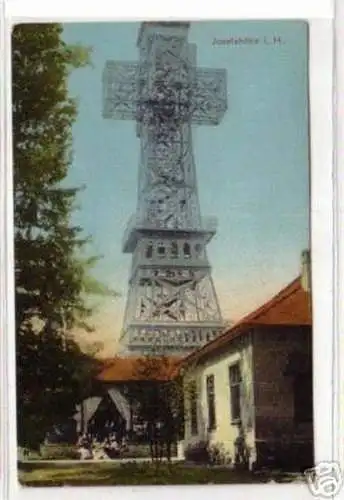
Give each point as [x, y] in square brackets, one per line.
[121, 404]
[85, 412]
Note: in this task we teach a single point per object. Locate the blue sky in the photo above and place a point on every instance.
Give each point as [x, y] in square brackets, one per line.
[252, 169]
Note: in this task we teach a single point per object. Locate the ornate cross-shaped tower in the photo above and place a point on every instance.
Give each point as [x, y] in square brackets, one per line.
[172, 305]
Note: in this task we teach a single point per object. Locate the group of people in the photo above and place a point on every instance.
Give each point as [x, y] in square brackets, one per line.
[92, 448]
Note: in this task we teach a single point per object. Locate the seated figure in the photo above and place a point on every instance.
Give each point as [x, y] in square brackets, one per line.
[84, 448]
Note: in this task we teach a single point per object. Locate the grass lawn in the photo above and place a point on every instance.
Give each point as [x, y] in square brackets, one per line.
[67, 451]
[107, 474]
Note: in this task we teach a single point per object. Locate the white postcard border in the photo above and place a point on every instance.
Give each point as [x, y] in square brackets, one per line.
[321, 84]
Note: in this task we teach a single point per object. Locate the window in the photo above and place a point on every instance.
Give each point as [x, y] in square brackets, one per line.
[235, 389]
[193, 409]
[187, 250]
[149, 251]
[211, 402]
[303, 398]
[161, 250]
[174, 249]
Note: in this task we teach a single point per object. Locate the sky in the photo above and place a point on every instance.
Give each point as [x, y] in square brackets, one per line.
[252, 169]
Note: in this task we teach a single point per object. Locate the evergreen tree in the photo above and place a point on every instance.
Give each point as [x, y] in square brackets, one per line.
[52, 279]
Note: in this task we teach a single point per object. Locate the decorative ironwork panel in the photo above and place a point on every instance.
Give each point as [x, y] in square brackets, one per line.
[165, 93]
[168, 186]
[173, 295]
[209, 96]
[120, 90]
[180, 338]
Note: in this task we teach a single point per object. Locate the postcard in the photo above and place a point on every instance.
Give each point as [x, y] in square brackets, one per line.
[162, 253]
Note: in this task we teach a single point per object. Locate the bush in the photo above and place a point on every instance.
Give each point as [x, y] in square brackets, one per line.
[218, 455]
[59, 452]
[198, 453]
[205, 453]
[136, 451]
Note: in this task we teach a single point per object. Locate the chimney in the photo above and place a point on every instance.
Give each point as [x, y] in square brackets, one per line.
[306, 270]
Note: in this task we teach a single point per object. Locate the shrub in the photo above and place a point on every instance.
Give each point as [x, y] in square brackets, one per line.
[205, 453]
[59, 452]
[198, 453]
[218, 455]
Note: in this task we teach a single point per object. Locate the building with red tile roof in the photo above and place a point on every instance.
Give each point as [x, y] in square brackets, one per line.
[253, 385]
[131, 368]
[291, 306]
[111, 398]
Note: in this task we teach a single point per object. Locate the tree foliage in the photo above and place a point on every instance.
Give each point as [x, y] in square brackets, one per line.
[52, 276]
[160, 404]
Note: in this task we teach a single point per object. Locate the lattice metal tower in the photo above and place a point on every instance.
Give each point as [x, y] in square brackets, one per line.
[172, 307]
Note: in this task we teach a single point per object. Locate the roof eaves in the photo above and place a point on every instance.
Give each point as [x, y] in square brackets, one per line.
[250, 320]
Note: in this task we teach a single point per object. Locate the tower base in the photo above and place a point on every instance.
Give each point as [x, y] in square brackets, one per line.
[167, 340]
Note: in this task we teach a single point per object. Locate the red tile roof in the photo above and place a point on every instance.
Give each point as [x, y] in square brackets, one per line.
[290, 307]
[123, 369]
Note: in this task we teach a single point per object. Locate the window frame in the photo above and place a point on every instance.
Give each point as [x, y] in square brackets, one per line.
[193, 408]
[235, 385]
[211, 401]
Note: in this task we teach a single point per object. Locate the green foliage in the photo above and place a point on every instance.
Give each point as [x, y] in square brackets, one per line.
[202, 452]
[52, 375]
[49, 278]
[159, 403]
[52, 278]
[139, 474]
[198, 452]
[59, 452]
